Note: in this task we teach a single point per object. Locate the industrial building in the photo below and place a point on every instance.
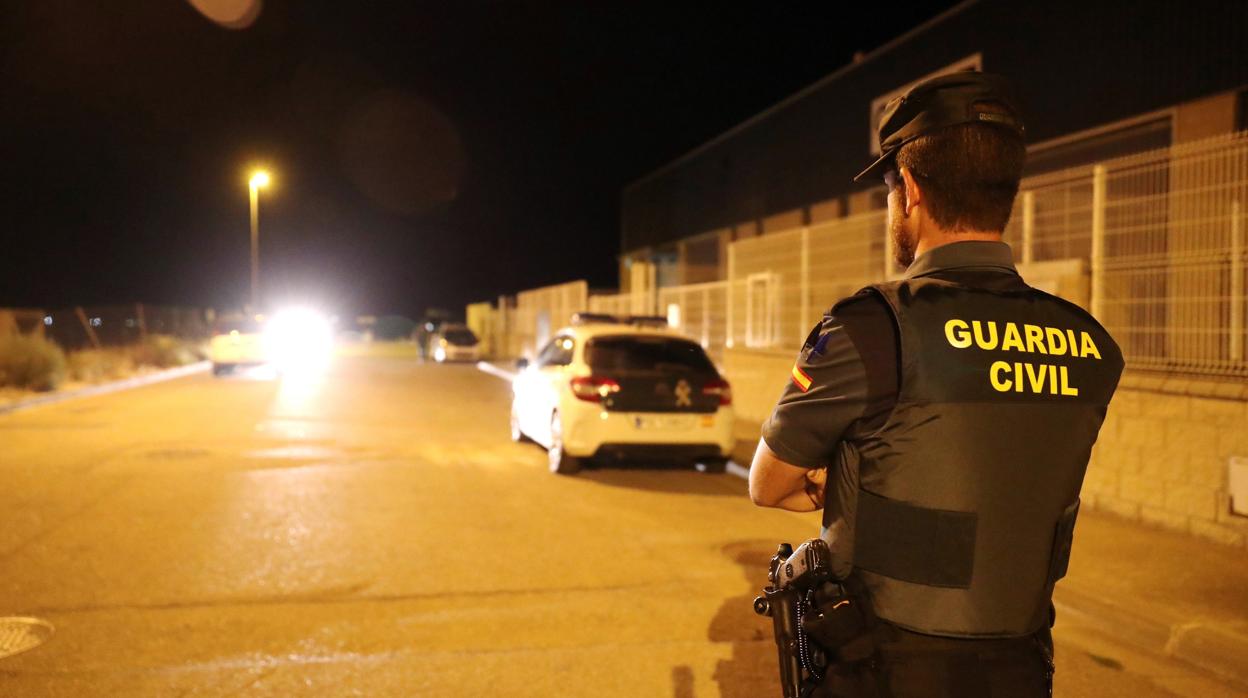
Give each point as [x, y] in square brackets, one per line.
[1134, 204]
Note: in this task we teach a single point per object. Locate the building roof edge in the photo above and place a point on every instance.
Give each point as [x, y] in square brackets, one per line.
[797, 96]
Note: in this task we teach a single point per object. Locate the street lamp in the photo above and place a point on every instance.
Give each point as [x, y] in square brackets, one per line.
[259, 180]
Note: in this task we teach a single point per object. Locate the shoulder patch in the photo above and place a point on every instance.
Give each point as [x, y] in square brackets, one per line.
[820, 345]
[800, 379]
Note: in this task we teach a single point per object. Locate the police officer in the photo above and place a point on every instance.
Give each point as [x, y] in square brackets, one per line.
[943, 422]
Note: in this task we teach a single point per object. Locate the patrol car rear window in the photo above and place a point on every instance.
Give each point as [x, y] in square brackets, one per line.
[646, 354]
[461, 338]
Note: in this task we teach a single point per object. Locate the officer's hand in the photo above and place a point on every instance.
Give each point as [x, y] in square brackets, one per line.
[816, 481]
[775, 483]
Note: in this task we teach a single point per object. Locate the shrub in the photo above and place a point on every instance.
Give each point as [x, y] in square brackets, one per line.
[95, 365]
[390, 327]
[31, 362]
[163, 351]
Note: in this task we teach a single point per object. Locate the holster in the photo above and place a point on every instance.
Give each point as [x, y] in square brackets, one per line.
[842, 620]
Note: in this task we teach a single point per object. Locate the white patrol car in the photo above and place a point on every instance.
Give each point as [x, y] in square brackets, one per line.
[625, 389]
[237, 340]
[455, 343]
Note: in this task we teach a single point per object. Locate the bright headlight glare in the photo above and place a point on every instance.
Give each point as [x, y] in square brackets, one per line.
[298, 336]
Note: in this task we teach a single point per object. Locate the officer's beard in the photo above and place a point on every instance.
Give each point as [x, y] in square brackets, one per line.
[904, 243]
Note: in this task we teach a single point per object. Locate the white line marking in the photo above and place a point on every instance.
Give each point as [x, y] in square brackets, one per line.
[493, 370]
[735, 468]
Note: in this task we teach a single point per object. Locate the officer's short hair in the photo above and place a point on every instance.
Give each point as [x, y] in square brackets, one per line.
[969, 174]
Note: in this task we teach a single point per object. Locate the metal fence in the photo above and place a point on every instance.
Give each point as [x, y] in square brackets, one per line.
[780, 284]
[1154, 244]
[1163, 235]
[117, 325]
[700, 311]
[540, 312]
[619, 303]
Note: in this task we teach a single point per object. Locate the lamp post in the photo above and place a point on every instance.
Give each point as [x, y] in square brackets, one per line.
[259, 180]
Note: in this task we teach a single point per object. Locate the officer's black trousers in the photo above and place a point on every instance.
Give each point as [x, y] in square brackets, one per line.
[911, 665]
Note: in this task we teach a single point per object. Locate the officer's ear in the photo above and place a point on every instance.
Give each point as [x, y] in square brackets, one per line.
[914, 195]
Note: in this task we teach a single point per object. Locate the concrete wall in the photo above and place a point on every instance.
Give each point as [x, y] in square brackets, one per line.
[826, 210]
[787, 220]
[483, 320]
[1204, 118]
[704, 257]
[757, 378]
[867, 200]
[1162, 457]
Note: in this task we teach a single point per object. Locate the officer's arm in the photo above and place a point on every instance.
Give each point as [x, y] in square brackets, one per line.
[775, 483]
[828, 392]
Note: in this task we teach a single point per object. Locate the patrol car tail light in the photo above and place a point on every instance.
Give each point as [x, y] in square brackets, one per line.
[593, 388]
[721, 389]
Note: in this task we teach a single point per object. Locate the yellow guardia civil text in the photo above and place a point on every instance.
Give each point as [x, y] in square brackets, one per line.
[1028, 375]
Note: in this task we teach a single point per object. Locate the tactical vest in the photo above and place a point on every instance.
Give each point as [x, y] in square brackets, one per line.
[968, 494]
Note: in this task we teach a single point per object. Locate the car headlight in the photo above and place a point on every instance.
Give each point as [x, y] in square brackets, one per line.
[297, 337]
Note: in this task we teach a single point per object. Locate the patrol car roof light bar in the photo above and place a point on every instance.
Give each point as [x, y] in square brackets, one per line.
[594, 318]
[647, 320]
[605, 318]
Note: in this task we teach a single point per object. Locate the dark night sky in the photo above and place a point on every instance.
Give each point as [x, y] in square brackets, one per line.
[425, 154]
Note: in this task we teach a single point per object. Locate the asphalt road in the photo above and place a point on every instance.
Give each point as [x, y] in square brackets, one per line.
[372, 531]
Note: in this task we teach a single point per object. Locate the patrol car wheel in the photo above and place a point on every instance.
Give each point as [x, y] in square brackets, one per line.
[560, 462]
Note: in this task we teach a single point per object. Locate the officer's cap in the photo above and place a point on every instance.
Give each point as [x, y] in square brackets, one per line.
[946, 100]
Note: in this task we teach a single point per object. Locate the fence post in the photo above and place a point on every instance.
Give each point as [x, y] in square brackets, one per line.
[1098, 242]
[1029, 227]
[804, 312]
[142, 318]
[652, 289]
[732, 273]
[706, 316]
[86, 326]
[1237, 282]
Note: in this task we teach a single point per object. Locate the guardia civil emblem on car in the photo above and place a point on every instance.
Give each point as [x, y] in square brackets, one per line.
[683, 393]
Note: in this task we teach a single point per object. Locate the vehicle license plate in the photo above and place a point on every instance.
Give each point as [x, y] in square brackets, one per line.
[664, 421]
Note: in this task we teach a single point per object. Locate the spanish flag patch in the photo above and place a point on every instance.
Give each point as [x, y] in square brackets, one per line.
[800, 379]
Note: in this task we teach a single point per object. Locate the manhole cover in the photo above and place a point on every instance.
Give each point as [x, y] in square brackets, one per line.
[18, 634]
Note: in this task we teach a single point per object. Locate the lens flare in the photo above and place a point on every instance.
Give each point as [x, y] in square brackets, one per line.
[298, 339]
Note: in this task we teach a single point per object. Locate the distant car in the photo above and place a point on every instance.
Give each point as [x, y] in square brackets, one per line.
[455, 343]
[237, 340]
[623, 390]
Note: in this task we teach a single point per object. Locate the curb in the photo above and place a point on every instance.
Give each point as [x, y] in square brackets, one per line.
[1200, 643]
[106, 388]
